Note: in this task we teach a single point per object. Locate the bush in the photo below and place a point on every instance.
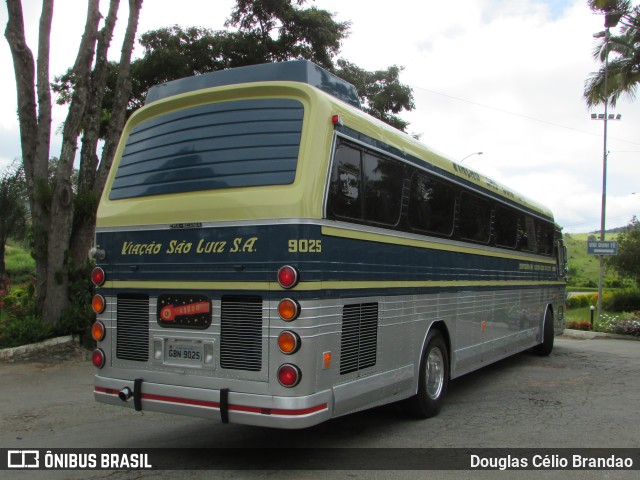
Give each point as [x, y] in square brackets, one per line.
[581, 301]
[23, 331]
[628, 324]
[572, 324]
[20, 265]
[625, 301]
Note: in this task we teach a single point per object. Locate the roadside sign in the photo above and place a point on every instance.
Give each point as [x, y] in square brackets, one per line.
[596, 247]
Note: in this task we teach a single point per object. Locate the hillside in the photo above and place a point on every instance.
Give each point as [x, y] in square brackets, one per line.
[583, 268]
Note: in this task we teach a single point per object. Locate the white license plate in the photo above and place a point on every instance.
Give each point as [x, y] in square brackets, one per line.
[183, 352]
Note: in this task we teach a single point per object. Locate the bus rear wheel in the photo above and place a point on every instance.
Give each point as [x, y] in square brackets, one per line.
[546, 347]
[434, 378]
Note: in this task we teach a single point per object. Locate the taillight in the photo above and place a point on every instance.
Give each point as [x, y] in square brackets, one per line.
[97, 276]
[98, 358]
[287, 276]
[289, 375]
[288, 309]
[98, 331]
[288, 342]
[98, 303]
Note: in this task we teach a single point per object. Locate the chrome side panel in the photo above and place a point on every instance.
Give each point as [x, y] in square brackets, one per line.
[483, 326]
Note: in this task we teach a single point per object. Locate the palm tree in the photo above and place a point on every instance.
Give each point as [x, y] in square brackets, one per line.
[623, 69]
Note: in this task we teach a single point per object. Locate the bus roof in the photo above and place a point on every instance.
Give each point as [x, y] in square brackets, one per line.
[302, 71]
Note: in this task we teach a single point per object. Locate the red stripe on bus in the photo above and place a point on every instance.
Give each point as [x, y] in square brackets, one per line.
[238, 408]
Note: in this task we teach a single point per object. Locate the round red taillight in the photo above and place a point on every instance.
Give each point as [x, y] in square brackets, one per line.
[288, 342]
[288, 309]
[98, 303]
[97, 276]
[98, 358]
[98, 331]
[287, 276]
[289, 375]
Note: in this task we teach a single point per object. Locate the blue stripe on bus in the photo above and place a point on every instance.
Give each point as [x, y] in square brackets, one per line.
[254, 254]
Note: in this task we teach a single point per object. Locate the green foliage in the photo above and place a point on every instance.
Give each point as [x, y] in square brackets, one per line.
[622, 51]
[584, 268]
[15, 331]
[20, 265]
[13, 205]
[581, 325]
[78, 316]
[627, 261]
[381, 93]
[627, 324]
[581, 301]
[267, 31]
[624, 301]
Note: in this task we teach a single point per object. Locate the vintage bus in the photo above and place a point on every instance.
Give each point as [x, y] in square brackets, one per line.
[269, 254]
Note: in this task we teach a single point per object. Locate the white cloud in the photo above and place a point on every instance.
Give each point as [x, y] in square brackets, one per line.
[500, 76]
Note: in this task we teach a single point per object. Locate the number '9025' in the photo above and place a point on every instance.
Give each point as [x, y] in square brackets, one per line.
[305, 246]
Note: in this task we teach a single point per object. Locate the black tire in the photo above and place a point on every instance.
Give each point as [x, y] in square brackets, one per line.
[434, 378]
[548, 334]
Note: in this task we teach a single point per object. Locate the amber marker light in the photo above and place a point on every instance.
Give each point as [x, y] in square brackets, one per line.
[97, 276]
[98, 303]
[98, 331]
[288, 309]
[288, 342]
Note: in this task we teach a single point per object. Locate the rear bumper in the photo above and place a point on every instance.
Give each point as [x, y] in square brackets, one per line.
[234, 407]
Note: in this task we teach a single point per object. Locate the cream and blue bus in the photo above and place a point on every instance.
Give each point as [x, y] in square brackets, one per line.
[269, 254]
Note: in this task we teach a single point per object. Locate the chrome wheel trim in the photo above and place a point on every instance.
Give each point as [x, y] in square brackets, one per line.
[434, 373]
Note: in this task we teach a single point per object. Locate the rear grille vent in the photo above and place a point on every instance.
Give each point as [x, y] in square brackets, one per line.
[359, 337]
[241, 333]
[133, 328]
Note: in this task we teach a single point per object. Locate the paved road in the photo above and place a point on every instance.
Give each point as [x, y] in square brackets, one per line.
[586, 394]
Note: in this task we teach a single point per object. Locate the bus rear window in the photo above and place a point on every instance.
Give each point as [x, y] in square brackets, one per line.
[244, 143]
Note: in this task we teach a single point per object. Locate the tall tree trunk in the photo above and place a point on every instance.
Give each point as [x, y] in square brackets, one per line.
[52, 206]
[83, 232]
[57, 297]
[35, 124]
[86, 200]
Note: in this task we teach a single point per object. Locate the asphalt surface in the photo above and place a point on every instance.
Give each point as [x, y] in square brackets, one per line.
[586, 394]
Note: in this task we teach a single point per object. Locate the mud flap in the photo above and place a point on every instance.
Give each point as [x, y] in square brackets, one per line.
[224, 405]
[137, 394]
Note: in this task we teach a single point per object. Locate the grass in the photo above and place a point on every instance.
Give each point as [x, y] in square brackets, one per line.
[19, 264]
[584, 269]
[580, 314]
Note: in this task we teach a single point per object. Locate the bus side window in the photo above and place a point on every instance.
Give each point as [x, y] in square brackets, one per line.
[431, 205]
[545, 238]
[382, 189]
[475, 218]
[506, 228]
[528, 240]
[346, 195]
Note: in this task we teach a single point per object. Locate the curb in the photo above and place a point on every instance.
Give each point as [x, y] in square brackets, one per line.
[10, 354]
[584, 335]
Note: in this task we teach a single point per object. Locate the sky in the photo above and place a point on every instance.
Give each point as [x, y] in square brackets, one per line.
[501, 77]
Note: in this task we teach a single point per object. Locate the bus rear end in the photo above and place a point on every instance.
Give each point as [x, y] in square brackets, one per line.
[206, 236]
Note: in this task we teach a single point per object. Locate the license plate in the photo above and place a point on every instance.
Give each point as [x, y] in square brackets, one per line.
[184, 352]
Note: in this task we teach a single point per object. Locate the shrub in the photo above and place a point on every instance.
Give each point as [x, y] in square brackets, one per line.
[628, 324]
[625, 301]
[23, 331]
[582, 325]
[580, 301]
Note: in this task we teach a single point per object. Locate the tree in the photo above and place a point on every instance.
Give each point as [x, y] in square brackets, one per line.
[267, 31]
[63, 220]
[13, 221]
[381, 93]
[627, 261]
[623, 69]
